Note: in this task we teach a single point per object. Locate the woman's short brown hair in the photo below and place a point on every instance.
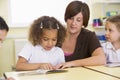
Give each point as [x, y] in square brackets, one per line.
[74, 8]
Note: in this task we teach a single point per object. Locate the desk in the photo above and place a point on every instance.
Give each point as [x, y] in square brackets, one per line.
[112, 71]
[78, 73]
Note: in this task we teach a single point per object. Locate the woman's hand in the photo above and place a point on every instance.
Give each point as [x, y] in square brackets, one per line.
[65, 65]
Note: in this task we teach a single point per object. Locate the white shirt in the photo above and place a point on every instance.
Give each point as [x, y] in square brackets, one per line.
[112, 55]
[36, 54]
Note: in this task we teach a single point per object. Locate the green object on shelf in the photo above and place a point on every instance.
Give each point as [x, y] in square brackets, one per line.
[111, 13]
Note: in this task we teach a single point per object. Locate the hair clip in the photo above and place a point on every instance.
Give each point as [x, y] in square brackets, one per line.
[41, 25]
[57, 26]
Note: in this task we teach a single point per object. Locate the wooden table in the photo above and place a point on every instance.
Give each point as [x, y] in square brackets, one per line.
[111, 71]
[76, 73]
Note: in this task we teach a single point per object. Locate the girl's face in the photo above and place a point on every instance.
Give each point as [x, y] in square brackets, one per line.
[49, 39]
[74, 24]
[112, 34]
[3, 34]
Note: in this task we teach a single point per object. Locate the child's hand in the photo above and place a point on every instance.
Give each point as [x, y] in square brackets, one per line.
[46, 66]
[10, 78]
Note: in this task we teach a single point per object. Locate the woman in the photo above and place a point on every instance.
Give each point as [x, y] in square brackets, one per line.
[81, 46]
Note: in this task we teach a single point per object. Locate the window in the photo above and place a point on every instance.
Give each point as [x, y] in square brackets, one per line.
[23, 12]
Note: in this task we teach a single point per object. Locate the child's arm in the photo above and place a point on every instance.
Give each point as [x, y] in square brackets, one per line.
[22, 64]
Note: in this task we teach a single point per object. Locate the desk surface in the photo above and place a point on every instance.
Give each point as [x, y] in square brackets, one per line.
[78, 73]
[115, 71]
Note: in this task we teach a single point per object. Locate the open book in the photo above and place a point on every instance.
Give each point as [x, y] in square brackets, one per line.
[34, 72]
[41, 71]
[113, 65]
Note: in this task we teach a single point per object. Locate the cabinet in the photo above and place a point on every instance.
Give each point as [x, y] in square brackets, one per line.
[101, 9]
[6, 56]
[106, 1]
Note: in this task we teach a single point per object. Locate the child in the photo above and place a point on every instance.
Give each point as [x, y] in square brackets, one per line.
[3, 33]
[112, 46]
[3, 30]
[46, 34]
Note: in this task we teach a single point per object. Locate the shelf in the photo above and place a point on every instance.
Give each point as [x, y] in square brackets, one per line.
[107, 1]
[99, 27]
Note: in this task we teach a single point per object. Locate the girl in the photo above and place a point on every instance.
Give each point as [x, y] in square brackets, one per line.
[112, 46]
[43, 52]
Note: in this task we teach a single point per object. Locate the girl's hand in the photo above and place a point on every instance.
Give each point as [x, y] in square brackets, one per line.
[10, 78]
[47, 66]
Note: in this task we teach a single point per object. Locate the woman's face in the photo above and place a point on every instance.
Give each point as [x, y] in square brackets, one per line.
[75, 23]
[3, 34]
[49, 39]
